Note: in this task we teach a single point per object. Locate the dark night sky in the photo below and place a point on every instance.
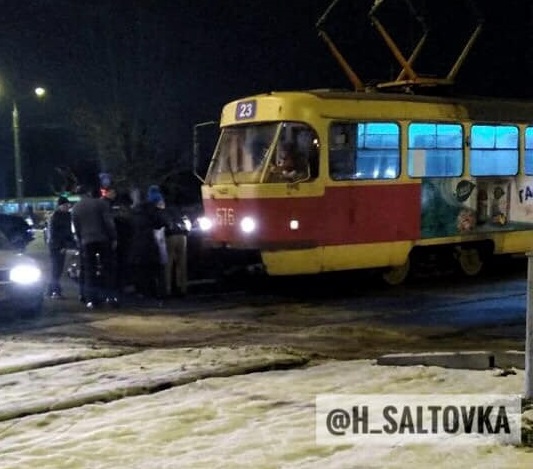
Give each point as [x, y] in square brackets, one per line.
[177, 62]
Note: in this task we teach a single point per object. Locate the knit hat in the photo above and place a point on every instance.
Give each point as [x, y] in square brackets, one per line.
[62, 200]
[154, 194]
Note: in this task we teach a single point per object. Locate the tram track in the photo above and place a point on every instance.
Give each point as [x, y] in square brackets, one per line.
[73, 380]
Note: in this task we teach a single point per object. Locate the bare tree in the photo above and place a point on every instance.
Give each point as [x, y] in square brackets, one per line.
[123, 125]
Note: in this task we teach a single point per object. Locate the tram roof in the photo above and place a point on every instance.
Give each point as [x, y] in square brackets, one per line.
[477, 108]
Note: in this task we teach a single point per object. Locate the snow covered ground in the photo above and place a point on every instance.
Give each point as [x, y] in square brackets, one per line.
[73, 405]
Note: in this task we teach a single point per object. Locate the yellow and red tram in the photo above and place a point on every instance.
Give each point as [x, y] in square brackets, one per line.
[379, 177]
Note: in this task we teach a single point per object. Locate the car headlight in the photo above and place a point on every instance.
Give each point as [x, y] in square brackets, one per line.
[25, 274]
[248, 224]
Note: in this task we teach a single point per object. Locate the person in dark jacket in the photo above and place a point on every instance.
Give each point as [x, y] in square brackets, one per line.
[97, 238]
[60, 238]
[110, 196]
[145, 253]
[122, 214]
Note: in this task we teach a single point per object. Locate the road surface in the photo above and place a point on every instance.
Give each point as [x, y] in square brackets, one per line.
[331, 316]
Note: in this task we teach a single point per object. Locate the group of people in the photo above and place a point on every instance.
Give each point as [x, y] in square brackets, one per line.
[119, 245]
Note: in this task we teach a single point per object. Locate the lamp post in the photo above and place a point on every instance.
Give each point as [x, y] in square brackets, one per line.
[19, 180]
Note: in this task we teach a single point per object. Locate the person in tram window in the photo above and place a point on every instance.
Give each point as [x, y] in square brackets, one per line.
[292, 165]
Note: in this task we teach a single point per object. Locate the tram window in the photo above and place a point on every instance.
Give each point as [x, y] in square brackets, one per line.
[341, 161]
[307, 146]
[435, 150]
[241, 153]
[529, 151]
[378, 151]
[369, 150]
[494, 150]
[295, 156]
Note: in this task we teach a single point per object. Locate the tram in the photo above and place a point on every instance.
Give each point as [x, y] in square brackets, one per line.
[324, 180]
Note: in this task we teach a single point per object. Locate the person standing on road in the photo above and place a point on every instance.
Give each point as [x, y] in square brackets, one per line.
[176, 242]
[60, 238]
[109, 195]
[147, 250]
[120, 205]
[97, 237]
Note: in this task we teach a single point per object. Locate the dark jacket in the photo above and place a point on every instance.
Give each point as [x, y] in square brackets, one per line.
[93, 221]
[124, 225]
[60, 231]
[174, 221]
[146, 218]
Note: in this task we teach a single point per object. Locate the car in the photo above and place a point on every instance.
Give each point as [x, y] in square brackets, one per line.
[21, 282]
[16, 229]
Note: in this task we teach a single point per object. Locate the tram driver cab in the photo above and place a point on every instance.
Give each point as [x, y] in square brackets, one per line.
[271, 152]
[290, 164]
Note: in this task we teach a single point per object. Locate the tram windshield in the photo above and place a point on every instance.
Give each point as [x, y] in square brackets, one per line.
[267, 152]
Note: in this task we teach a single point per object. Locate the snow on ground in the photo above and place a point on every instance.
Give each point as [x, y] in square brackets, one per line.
[261, 419]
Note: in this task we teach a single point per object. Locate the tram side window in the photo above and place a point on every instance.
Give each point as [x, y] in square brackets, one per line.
[435, 150]
[494, 150]
[529, 151]
[378, 151]
[369, 150]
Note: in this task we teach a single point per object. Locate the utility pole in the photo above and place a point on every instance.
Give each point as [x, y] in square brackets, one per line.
[18, 163]
[529, 329]
[19, 179]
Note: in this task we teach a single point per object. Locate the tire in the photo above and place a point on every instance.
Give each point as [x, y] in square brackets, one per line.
[397, 275]
[470, 261]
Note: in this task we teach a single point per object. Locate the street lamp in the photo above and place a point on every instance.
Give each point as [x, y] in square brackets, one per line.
[39, 92]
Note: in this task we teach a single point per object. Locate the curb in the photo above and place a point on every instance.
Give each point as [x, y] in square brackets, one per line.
[475, 360]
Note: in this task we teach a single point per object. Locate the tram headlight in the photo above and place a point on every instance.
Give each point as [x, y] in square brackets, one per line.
[248, 225]
[205, 223]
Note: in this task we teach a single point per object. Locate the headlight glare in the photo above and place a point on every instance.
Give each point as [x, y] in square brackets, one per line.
[25, 274]
[247, 224]
[205, 223]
